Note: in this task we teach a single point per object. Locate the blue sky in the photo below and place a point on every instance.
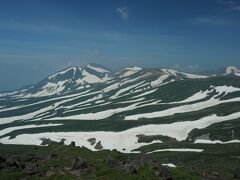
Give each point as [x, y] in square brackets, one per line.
[40, 37]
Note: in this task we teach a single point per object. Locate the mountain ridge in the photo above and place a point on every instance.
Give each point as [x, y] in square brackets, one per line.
[118, 108]
[229, 70]
[75, 78]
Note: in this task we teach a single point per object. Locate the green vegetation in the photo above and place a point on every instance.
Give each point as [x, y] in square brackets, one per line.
[57, 161]
[216, 158]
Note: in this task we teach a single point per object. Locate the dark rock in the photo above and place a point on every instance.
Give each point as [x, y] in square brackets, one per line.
[61, 141]
[47, 141]
[118, 178]
[31, 157]
[54, 155]
[92, 141]
[47, 157]
[50, 157]
[131, 167]
[72, 144]
[30, 168]
[114, 150]
[79, 163]
[23, 166]
[12, 162]
[2, 166]
[50, 173]
[111, 162]
[2, 159]
[41, 174]
[98, 146]
[159, 170]
[211, 176]
[236, 174]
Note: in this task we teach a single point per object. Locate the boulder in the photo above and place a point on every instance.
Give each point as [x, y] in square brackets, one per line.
[79, 163]
[98, 146]
[111, 162]
[72, 144]
[236, 174]
[12, 162]
[30, 169]
[92, 141]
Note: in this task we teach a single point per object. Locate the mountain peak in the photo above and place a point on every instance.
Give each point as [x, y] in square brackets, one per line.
[133, 68]
[72, 68]
[183, 74]
[232, 70]
[91, 75]
[98, 68]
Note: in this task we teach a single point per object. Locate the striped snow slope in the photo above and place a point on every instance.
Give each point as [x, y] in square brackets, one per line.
[97, 97]
[191, 107]
[123, 141]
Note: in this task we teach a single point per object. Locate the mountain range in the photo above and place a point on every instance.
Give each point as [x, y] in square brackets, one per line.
[77, 78]
[131, 110]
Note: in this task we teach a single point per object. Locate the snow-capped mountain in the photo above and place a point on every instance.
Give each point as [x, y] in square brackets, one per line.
[232, 70]
[70, 79]
[183, 74]
[77, 78]
[227, 71]
[115, 108]
[92, 75]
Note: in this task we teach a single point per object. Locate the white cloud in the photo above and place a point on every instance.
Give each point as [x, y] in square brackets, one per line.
[92, 51]
[227, 2]
[237, 8]
[227, 6]
[233, 5]
[211, 20]
[123, 12]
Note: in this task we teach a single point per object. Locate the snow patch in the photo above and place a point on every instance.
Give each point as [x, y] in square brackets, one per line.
[100, 70]
[204, 141]
[61, 72]
[121, 91]
[111, 87]
[159, 80]
[126, 139]
[189, 107]
[232, 69]
[130, 71]
[193, 76]
[170, 165]
[134, 68]
[177, 150]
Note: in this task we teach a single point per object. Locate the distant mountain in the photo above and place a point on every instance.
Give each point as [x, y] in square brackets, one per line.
[228, 71]
[232, 70]
[70, 79]
[125, 110]
[77, 78]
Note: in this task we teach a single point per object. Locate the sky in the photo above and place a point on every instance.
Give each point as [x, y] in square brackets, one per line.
[40, 37]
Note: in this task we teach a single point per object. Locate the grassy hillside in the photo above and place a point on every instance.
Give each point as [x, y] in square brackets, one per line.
[68, 162]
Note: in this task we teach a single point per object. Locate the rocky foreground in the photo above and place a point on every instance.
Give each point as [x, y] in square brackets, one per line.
[80, 167]
[58, 161]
